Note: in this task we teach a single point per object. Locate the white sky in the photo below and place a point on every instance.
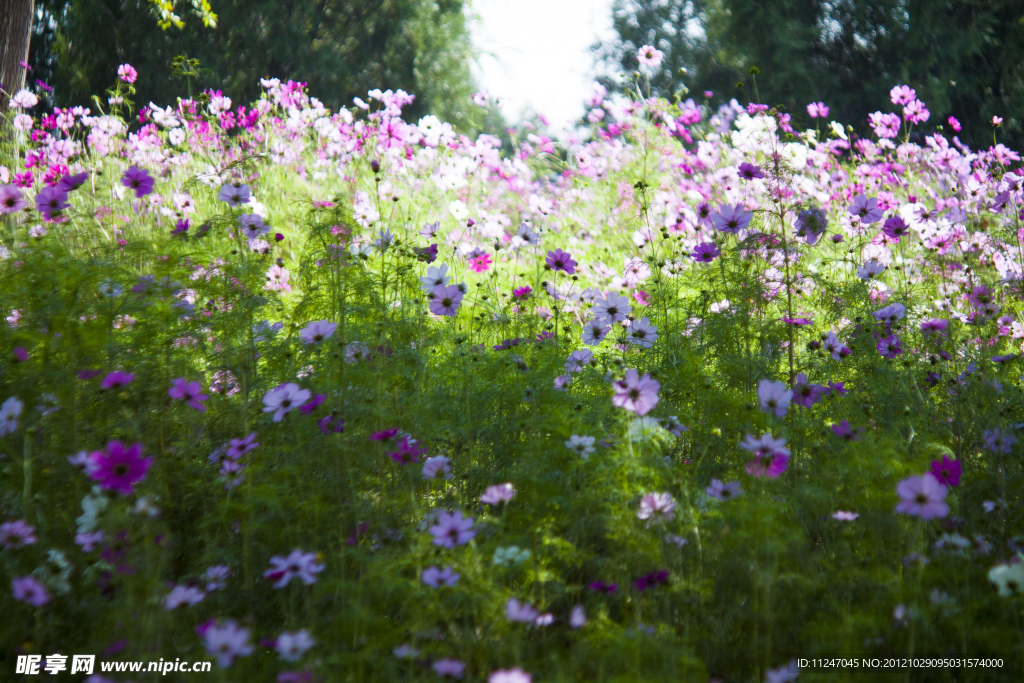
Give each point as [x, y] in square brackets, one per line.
[539, 54]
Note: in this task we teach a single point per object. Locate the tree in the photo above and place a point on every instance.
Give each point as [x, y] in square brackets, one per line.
[15, 30]
[341, 48]
[964, 57]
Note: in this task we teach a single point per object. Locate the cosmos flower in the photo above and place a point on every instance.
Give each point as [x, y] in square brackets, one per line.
[190, 392]
[296, 565]
[774, 397]
[731, 219]
[635, 393]
[284, 398]
[561, 261]
[650, 56]
[316, 331]
[497, 494]
[225, 641]
[118, 468]
[452, 529]
[923, 497]
[657, 507]
[138, 180]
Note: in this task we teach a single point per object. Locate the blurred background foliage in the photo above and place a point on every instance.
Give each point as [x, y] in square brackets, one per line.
[965, 58]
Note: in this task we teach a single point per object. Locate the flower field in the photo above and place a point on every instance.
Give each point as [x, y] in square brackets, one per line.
[334, 396]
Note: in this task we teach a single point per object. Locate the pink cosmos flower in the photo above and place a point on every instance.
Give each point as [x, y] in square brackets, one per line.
[515, 675]
[407, 452]
[916, 112]
[497, 494]
[87, 541]
[452, 529]
[446, 300]
[635, 393]
[316, 331]
[650, 56]
[449, 667]
[16, 534]
[480, 264]
[954, 124]
[127, 73]
[118, 468]
[721, 491]
[659, 506]
[774, 397]
[844, 516]
[297, 565]
[902, 94]
[116, 380]
[922, 497]
[190, 392]
[225, 641]
[11, 199]
[283, 399]
[817, 110]
[771, 456]
[29, 589]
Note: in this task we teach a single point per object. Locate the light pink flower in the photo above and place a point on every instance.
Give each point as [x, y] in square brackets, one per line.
[297, 565]
[660, 506]
[515, 675]
[635, 393]
[774, 396]
[923, 497]
[283, 399]
[497, 494]
[316, 331]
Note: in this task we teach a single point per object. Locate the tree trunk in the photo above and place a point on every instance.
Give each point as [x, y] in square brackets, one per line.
[15, 31]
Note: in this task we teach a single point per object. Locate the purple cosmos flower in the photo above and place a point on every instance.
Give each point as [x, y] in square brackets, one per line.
[51, 201]
[772, 456]
[720, 491]
[522, 293]
[748, 171]
[316, 331]
[947, 471]
[705, 252]
[385, 435]
[446, 300]
[602, 587]
[806, 394]
[11, 199]
[843, 430]
[435, 578]
[16, 534]
[774, 397]
[867, 209]
[934, 326]
[999, 441]
[328, 425]
[889, 347]
[407, 452]
[922, 497]
[426, 254]
[139, 180]
[797, 322]
[118, 468]
[70, 183]
[559, 260]
[452, 529]
[895, 228]
[284, 398]
[436, 465]
[811, 224]
[291, 646]
[297, 565]
[116, 380]
[225, 641]
[651, 580]
[29, 589]
[312, 405]
[732, 219]
[497, 494]
[183, 390]
[239, 447]
[235, 194]
[449, 667]
[635, 393]
[659, 506]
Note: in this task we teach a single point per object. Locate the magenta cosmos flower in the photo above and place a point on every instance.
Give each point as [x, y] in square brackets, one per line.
[118, 468]
[947, 471]
[138, 180]
[191, 392]
[731, 219]
[283, 399]
[408, 452]
[771, 456]
[11, 199]
[889, 347]
[452, 529]
[635, 393]
[559, 260]
[817, 110]
[116, 379]
[922, 497]
[446, 300]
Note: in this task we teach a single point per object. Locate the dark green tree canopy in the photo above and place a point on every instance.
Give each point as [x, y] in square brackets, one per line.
[965, 58]
[341, 48]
